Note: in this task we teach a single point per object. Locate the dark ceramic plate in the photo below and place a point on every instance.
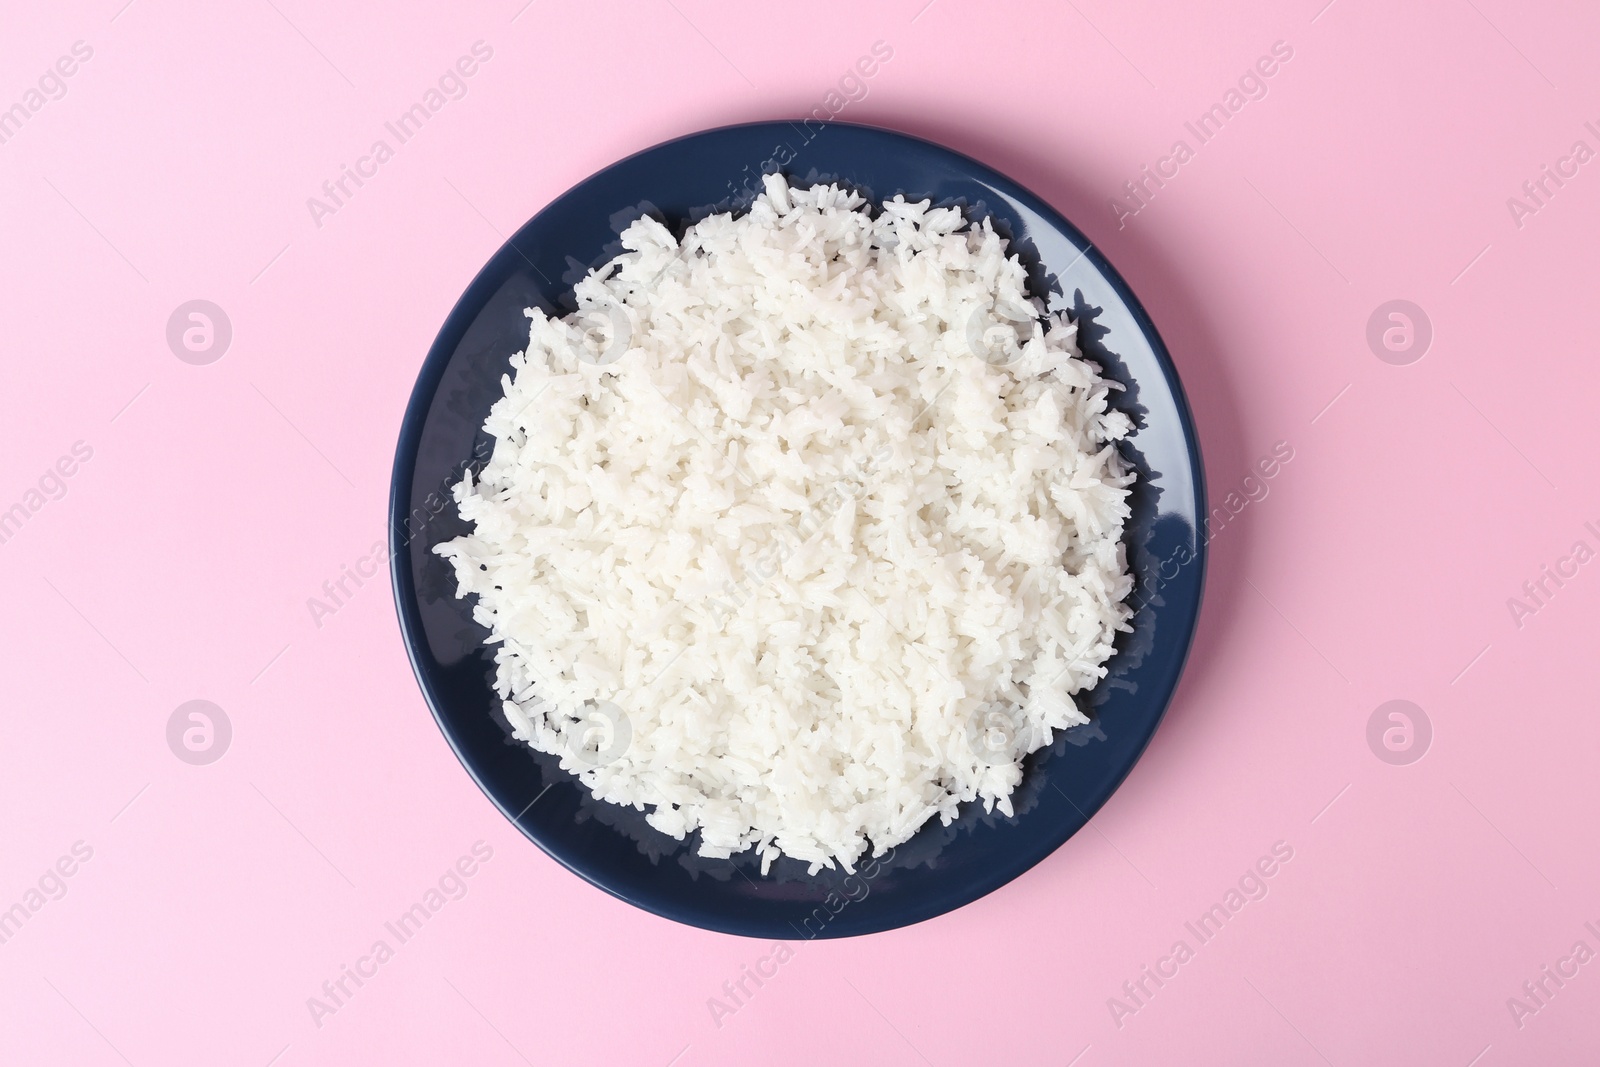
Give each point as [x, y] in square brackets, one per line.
[942, 867]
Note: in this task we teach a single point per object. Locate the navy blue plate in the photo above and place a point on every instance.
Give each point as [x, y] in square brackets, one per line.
[942, 867]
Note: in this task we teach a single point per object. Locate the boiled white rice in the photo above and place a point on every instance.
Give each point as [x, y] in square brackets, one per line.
[801, 530]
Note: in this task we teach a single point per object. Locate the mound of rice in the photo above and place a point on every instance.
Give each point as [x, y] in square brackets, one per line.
[800, 530]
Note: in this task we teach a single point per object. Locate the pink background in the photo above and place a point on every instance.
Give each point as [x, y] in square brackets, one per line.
[219, 498]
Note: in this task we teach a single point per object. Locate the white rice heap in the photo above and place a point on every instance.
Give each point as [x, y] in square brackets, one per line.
[798, 532]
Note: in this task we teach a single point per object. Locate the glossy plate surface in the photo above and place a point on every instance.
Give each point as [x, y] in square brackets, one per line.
[942, 867]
